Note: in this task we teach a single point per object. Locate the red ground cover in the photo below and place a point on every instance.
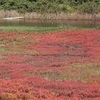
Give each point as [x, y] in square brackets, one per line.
[53, 66]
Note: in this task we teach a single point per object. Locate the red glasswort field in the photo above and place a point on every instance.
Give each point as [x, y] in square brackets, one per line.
[53, 66]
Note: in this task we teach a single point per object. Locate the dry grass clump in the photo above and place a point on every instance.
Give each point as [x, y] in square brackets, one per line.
[50, 16]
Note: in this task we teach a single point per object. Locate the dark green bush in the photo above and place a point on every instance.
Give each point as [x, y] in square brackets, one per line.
[89, 7]
[51, 6]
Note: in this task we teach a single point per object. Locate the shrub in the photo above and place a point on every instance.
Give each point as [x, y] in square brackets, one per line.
[89, 7]
[50, 6]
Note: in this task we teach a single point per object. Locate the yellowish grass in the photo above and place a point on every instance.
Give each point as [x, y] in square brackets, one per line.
[75, 72]
[34, 15]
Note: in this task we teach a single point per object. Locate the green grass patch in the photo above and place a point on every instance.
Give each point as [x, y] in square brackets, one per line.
[30, 28]
[39, 29]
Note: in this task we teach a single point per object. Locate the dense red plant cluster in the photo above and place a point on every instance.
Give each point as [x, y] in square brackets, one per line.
[32, 65]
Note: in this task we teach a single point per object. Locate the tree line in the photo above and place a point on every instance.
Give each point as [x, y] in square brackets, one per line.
[51, 6]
